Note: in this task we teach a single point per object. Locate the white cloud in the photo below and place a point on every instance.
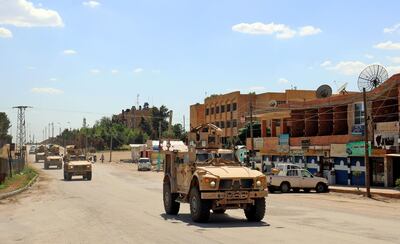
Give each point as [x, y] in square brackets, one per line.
[309, 30]
[394, 59]
[94, 71]
[114, 71]
[283, 81]
[280, 31]
[5, 33]
[369, 56]
[138, 70]
[22, 13]
[392, 29]
[348, 67]
[325, 63]
[389, 45]
[69, 52]
[46, 90]
[91, 4]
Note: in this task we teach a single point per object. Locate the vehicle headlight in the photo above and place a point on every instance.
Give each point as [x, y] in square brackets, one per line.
[88, 166]
[213, 184]
[258, 183]
[70, 166]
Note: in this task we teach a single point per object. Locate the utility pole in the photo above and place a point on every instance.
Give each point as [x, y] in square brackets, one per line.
[184, 123]
[231, 129]
[49, 131]
[111, 139]
[159, 146]
[52, 129]
[366, 145]
[251, 130]
[21, 129]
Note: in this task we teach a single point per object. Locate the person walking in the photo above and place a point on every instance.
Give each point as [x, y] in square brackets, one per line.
[102, 158]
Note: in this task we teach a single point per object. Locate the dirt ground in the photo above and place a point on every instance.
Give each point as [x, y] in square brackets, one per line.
[122, 205]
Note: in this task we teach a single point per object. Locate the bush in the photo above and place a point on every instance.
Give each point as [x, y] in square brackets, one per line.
[398, 183]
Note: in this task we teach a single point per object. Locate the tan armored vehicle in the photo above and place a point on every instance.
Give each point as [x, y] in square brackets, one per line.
[209, 178]
[53, 157]
[76, 164]
[40, 156]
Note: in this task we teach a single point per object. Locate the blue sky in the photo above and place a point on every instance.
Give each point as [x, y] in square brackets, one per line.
[72, 59]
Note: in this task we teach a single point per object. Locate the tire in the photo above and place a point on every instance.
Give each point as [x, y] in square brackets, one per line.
[170, 205]
[46, 166]
[199, 209]
[256, 212]
[285, 187]
[65, 176]
[89, 176]
[69, 176]
[219, 211]
[320, 188]
[307, 190]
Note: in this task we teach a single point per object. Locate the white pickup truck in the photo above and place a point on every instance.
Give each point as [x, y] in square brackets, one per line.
[296, 179]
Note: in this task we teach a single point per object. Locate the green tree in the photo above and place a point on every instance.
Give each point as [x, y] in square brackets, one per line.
[4, 126]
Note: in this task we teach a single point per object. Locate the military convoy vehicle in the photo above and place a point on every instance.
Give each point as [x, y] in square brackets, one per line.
[209, 178]
[40, 156]
[76, 164]
[53, 157]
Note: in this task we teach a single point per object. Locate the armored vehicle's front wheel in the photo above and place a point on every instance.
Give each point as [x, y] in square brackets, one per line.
[199, 208]
[256, 212]
[170, 204]
[88, 176]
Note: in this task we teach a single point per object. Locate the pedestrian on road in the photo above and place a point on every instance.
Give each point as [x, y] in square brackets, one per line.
[102, 158]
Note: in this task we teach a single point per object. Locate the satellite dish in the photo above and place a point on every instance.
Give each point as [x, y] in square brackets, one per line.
[324, 91]
[371, 77]
[273, 103]
[342, 88]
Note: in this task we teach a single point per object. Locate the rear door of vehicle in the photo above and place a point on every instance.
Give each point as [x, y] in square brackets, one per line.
[294, 177]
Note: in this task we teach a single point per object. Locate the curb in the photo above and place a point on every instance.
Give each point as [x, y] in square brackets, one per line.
[9, 194]
[382, 194]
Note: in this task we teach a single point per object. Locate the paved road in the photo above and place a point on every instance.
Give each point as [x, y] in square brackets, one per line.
[121, 205]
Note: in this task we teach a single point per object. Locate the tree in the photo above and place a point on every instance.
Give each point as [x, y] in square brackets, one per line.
[4, 126]
[145, 126]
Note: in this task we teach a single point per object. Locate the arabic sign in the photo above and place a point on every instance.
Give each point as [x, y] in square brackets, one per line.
[357, 148]
[357, 130]
[338, 150]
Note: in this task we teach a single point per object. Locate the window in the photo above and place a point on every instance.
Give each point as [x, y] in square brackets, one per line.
[228, 124]
[216, 123]
[228, 108]
[292, 172]
[358, 113]
[234, 107]
[222, 108]
[234, 123]
[305, 173]
[212, 110]
[222, 124]
[207, 111]
[217, 110]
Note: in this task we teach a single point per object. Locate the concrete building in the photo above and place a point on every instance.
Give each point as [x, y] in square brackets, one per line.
[133, 116]
[229, 111]
[327, 133]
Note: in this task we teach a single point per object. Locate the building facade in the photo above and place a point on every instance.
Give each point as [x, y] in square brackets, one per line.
[327, 135]
[229, 111]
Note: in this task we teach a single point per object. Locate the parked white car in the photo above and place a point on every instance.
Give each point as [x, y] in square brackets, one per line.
[296, 179]
[144, 164]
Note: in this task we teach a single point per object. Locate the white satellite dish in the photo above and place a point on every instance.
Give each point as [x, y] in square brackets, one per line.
[342, 88]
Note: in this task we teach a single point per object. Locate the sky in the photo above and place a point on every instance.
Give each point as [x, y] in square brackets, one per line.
[71, 59]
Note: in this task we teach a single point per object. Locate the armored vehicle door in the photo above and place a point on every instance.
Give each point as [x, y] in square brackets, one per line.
[183, 175]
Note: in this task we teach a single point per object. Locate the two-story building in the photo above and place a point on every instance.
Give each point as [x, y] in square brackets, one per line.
[327, 133]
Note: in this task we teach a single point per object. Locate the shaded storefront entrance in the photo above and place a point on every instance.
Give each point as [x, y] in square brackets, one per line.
[377, 171]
